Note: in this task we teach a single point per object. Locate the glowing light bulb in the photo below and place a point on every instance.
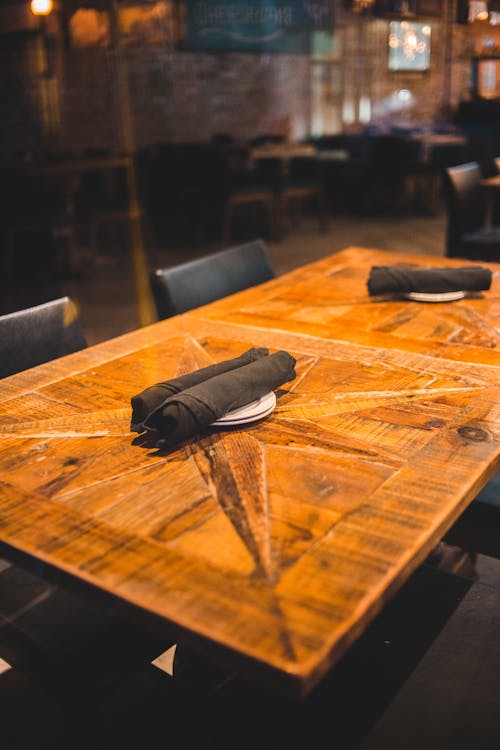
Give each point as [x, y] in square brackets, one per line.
[41, 7]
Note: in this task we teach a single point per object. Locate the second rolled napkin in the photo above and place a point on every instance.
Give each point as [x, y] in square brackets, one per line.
[401, 280]
[184, 413]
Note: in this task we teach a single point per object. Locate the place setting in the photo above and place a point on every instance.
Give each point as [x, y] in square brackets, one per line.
[428, 284]
[228, 394]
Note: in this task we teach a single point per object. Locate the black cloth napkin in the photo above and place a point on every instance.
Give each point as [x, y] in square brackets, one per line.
[207, 396]
[401, 280]
[148, 400]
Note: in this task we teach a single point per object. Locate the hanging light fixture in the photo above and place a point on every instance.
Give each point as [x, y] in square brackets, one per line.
[484, 10]
[41, 7]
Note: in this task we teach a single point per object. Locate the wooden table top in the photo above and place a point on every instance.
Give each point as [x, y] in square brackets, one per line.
[82, 164]
[270, 547]
[283, 151]
[328, 299]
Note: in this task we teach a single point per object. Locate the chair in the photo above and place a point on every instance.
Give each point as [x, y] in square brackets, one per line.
[467, 233]
[303, 181]
[222, 139]
[390, 161]
[28, 338]
[39, 334]
[263, 139]
[52, 635]
[244, 187]
[103, 197]
[182, 186]
[36, 227]
[293, 181]
[193, 284]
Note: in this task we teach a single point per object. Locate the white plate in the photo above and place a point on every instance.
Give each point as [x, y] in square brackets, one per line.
[434, 296]
[250, 412]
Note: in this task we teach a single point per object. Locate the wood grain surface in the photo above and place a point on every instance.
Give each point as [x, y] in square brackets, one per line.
[328, 299]
[274, 545]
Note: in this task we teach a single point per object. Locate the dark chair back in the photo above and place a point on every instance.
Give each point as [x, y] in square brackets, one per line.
[39, 334]
[188, 285]
[465, 200]
[270, 172]
[264, 138]
[391, 155]
[222, 139]
[304, 169]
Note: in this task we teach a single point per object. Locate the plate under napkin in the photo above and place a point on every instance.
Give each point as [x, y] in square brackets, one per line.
[186, 413]
[250, 412]
[435, 297]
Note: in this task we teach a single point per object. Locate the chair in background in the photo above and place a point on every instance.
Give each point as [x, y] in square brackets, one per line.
[468, 235]
[294, 181]
[35, 225]
[102, 203]
[195, 283]
[28, 338]
[264, 139]
[39, 334]
[390, 160]
[303, 183]
[181, 185]
[222, 139]
[245, 194]
[493, 170]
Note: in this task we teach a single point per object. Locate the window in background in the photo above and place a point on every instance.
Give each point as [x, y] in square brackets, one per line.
[409, 46]
[488, 78]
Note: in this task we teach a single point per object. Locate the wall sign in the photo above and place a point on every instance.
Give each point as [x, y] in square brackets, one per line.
[255, 25]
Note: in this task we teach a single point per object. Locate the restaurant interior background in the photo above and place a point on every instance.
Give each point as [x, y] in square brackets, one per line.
[187, 81]
[110, 78]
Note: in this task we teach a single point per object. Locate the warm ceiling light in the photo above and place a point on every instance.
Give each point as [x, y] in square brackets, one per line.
[41, 7]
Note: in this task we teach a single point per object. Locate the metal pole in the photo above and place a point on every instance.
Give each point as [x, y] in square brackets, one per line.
[449, 15]
[139, 259]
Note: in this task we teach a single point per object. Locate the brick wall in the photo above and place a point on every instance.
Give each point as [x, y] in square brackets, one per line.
[187, 96]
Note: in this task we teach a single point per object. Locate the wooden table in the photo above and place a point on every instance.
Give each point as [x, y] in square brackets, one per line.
[269, 548]
[431, 141]
[285, 151]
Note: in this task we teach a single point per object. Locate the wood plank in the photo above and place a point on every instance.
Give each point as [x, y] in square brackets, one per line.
[329, 299]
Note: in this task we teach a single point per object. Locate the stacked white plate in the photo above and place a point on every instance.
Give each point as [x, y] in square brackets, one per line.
[249, 413]
[434, 296]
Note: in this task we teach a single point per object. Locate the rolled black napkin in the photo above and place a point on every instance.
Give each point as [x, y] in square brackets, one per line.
[149, 399]
[185, 413]
[401, 280]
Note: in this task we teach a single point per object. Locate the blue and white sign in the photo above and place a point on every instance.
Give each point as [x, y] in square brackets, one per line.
[255, 25]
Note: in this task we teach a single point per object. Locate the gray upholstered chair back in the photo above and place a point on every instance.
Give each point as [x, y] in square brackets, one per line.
[188, 285]
[39, 334]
